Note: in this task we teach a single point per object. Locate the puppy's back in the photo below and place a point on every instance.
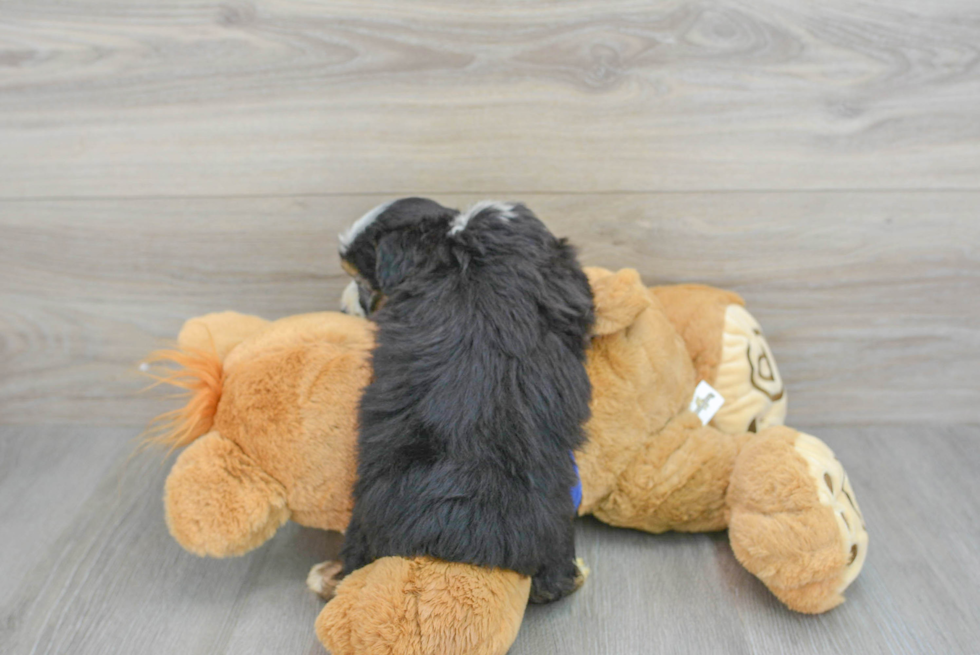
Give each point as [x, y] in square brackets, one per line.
[480, 395]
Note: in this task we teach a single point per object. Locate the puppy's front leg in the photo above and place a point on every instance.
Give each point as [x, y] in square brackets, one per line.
[561, 575]
[355, 552]
[325, 576]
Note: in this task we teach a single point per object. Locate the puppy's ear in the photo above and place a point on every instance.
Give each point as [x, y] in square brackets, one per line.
[397, 255]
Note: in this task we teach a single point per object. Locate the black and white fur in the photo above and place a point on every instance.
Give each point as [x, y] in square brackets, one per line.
[479, 394]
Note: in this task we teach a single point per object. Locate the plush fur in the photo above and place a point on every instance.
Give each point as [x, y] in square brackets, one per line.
[287, 408]
[479, 392]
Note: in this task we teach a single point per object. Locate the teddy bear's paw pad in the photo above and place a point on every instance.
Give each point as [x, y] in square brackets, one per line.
[747, 377]
[834, 491]
[324, 578]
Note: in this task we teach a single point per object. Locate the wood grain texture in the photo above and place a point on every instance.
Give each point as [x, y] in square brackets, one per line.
[110, 579]
[871, 301]
[104, 576]
[173, 98]
[687, 594]
[164, 159]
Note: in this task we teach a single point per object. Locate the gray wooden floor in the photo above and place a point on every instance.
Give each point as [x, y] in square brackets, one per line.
[163, 159]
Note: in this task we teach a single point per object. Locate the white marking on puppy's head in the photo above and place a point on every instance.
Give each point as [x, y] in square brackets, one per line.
[361, 224]
[350, 301]
[505, 212]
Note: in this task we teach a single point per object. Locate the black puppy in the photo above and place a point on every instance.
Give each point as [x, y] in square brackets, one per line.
[479, 393]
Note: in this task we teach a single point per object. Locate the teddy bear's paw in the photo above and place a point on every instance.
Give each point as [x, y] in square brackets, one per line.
[794, 521]
[835, 492]
[218, 502]
[324, 578]
[747, 377]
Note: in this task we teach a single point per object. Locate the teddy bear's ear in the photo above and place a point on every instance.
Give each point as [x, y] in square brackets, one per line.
[219, 332]
[619, 298]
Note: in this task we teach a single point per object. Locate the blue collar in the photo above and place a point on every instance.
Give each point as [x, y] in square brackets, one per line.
[577, 489]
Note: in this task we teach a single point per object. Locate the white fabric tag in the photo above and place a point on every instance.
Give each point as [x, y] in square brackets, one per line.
[707, 401]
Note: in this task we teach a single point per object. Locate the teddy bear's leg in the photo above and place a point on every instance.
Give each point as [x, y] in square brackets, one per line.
[218, 502]
[794, 522]
[219, 332]
[676, 481]
[423, 606]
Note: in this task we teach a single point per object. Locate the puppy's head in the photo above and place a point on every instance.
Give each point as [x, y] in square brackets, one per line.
[382, 248]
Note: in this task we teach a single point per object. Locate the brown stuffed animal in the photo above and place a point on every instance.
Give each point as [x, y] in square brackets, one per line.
[271, 428]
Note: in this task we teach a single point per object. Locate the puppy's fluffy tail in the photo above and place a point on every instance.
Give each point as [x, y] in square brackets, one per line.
[201, 375]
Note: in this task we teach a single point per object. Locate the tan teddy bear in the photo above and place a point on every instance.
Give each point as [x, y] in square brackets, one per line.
[270, 431]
